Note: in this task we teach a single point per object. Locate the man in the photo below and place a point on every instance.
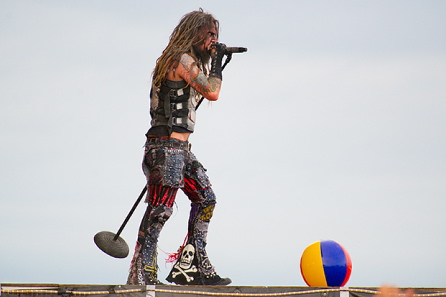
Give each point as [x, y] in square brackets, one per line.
[180, 78]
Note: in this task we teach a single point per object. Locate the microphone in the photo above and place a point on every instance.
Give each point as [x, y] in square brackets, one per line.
[233, 50]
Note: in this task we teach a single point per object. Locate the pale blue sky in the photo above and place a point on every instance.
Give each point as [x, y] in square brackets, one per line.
[331, 126]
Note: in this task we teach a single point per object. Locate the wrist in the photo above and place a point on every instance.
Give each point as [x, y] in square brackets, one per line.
[216, 67]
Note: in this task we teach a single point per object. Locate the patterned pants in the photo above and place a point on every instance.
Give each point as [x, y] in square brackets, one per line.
[169, 165]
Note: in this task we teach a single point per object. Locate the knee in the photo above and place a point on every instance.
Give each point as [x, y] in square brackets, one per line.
[160, 214]
[207, 210]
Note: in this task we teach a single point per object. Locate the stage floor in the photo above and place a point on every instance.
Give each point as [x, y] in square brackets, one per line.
[65, 290]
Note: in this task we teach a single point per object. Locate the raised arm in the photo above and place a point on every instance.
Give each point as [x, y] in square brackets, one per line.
[208, 87]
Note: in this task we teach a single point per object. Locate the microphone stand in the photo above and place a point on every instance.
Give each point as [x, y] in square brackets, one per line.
[227, 60]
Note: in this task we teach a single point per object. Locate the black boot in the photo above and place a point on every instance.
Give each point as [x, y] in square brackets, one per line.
[216, 280]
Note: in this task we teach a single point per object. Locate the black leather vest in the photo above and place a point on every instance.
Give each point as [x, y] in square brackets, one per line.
[173, 105]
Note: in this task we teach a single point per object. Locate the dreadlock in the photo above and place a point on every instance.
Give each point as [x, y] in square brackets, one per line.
[187, 34]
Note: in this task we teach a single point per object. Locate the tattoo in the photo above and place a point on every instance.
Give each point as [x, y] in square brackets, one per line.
[214, 83]
[196, 78]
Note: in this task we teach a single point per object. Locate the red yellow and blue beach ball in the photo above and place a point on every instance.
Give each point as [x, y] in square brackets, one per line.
[325, 264]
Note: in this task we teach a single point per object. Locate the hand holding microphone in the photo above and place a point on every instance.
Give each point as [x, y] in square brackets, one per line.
[218, 50]
[228, 50]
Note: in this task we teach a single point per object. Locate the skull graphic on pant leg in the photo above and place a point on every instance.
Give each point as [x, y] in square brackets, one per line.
[185, 266]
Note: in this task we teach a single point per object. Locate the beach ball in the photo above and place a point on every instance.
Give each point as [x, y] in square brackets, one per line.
[325, 264]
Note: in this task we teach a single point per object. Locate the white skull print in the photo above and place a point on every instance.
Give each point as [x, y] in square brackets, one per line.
[187, 256]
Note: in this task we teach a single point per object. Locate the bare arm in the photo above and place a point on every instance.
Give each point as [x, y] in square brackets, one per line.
[188, 70]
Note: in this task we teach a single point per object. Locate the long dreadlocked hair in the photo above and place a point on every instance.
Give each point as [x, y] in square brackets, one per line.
[186, 35]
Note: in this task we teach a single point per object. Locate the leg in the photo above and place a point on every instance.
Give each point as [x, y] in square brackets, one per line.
[144, 268]
[163, 168]
[200, 215]
[194, 267]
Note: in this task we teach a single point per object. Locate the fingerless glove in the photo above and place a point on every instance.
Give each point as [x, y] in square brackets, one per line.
[218, 50]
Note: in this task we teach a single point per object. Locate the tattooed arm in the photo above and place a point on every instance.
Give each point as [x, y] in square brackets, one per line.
[188, 70]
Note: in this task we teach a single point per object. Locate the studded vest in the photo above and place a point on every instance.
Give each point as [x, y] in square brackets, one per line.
[173, 105]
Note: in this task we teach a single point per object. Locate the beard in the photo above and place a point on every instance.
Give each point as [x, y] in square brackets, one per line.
[203, 56]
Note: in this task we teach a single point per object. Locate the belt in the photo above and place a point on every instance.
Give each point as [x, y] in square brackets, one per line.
[169, 142]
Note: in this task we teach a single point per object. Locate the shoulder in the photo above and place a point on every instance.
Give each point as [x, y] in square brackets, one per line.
[187, 61]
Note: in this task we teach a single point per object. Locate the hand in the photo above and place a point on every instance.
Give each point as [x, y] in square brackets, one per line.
[218, 50]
